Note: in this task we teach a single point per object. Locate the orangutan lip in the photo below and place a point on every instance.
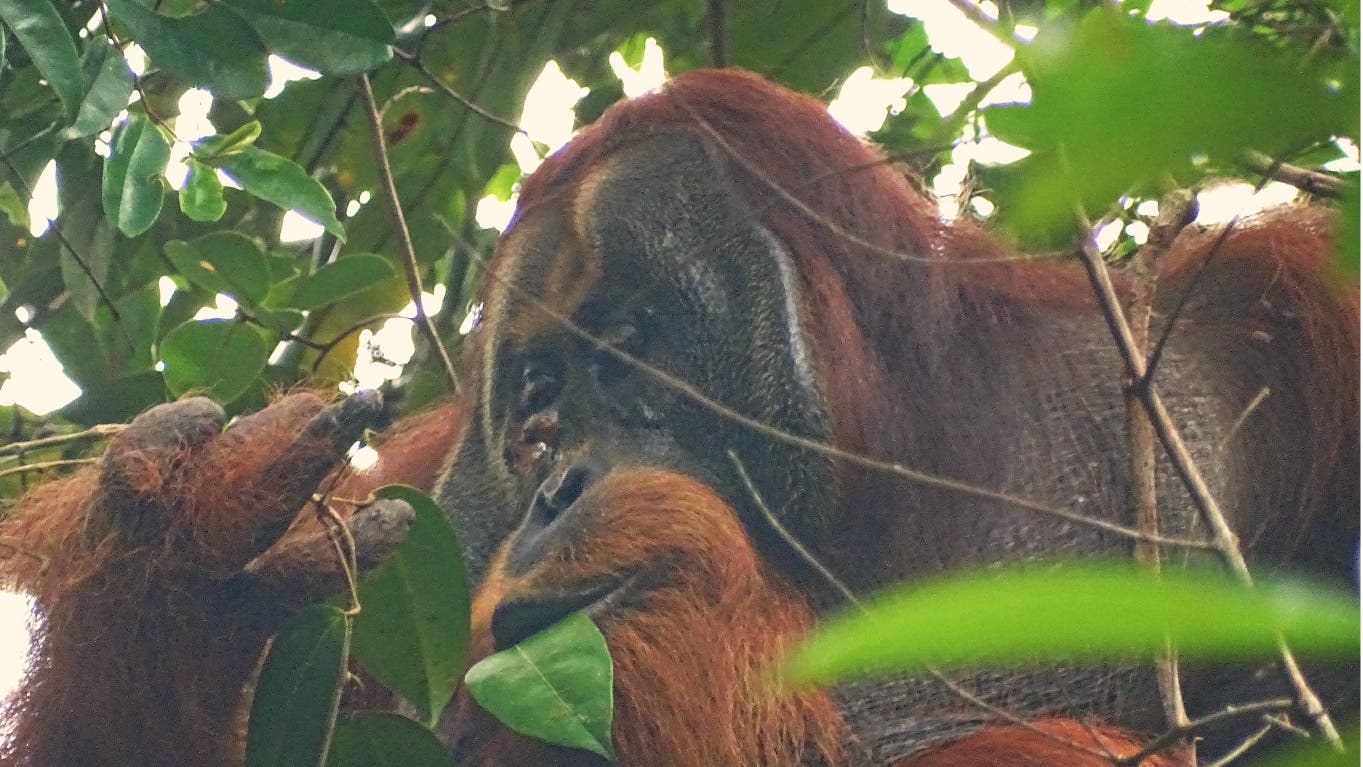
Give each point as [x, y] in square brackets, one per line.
[518, 618]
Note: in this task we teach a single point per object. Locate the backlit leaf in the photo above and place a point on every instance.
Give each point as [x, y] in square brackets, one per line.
[335, 37]
[283, 182]
[132, 188]
[223, 262]
[340, 279]
[201, 198]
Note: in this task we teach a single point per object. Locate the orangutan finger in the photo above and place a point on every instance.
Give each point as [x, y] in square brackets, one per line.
[292, 576]
[139, 469]
[302, 464]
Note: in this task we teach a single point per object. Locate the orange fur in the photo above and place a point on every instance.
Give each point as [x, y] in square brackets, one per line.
[688, 659]
[1044, 743]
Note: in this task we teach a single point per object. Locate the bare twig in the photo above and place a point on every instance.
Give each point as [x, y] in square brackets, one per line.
[1240, 748]
[988, 23]
[45, 465]
[410, 267]
[1226, 543]
[719, 46]
[84, 265]
[94, 432]
[799, 205]
[887, 467]
[1204, 723]
[973, 100]
[1176, 211]
[1244, 416]
[445, 88]
[845, 592]
[1309, 181]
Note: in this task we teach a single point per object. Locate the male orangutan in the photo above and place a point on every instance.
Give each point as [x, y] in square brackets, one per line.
[712, 281]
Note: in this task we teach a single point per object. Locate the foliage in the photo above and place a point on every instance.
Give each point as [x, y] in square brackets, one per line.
[1120, 110]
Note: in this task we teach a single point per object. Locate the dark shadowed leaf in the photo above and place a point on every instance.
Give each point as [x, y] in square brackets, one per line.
[283, 182]
[201, 198]
[1073, 611]
[295, 700]
[385, 740]
[219, 357]
[40, 30]
[132, 188]
[213, 48]
[413, 624]
[223, 262]
[555, 686]
[335, 37]
[109, 82]
[340, 279]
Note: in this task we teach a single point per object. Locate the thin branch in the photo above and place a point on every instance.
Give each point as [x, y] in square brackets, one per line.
[1226, 542]
[1176, 211]
[52, 223]
[973, 99]
[1242, 747]
[94, 432]
[715, 15]
[1253, 405]
[1204, 723]
[445, 88]
[887, 467]
[405, 249]
[988, 23]
[45, 465]
[845, 592]
[756, 172]
[1312, 182]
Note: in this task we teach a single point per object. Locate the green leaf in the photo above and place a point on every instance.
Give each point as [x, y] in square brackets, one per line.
[283, 182]
[555, 686]
[412, 629]
[1098, 129]
[201, 198]
[334, 37]
[300, 686]
[1073, 611]
[132, 189]
[213, 48]
[220, 357]
[1347, 237]
[223, 262]
[40, 29]
[1315, 753]
[385, 740]
[339, 279]
[211, 147]
[281, 321]
[110, 83]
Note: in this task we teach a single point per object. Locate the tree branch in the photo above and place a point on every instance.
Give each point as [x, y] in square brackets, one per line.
[405, 250]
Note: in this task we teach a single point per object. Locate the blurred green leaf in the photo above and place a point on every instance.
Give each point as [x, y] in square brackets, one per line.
[1315, 753]
[1073, 611]
[109, 83]
[217, 356]
[385, 740]
[283, 182]
[201, 198]
[295, 700]
[340, 279]
[412, 629]
[40, 30]
[223, 262]
[335, 37]
[1347, 238]
[132, 185]
[213, 48]
[555, 686]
